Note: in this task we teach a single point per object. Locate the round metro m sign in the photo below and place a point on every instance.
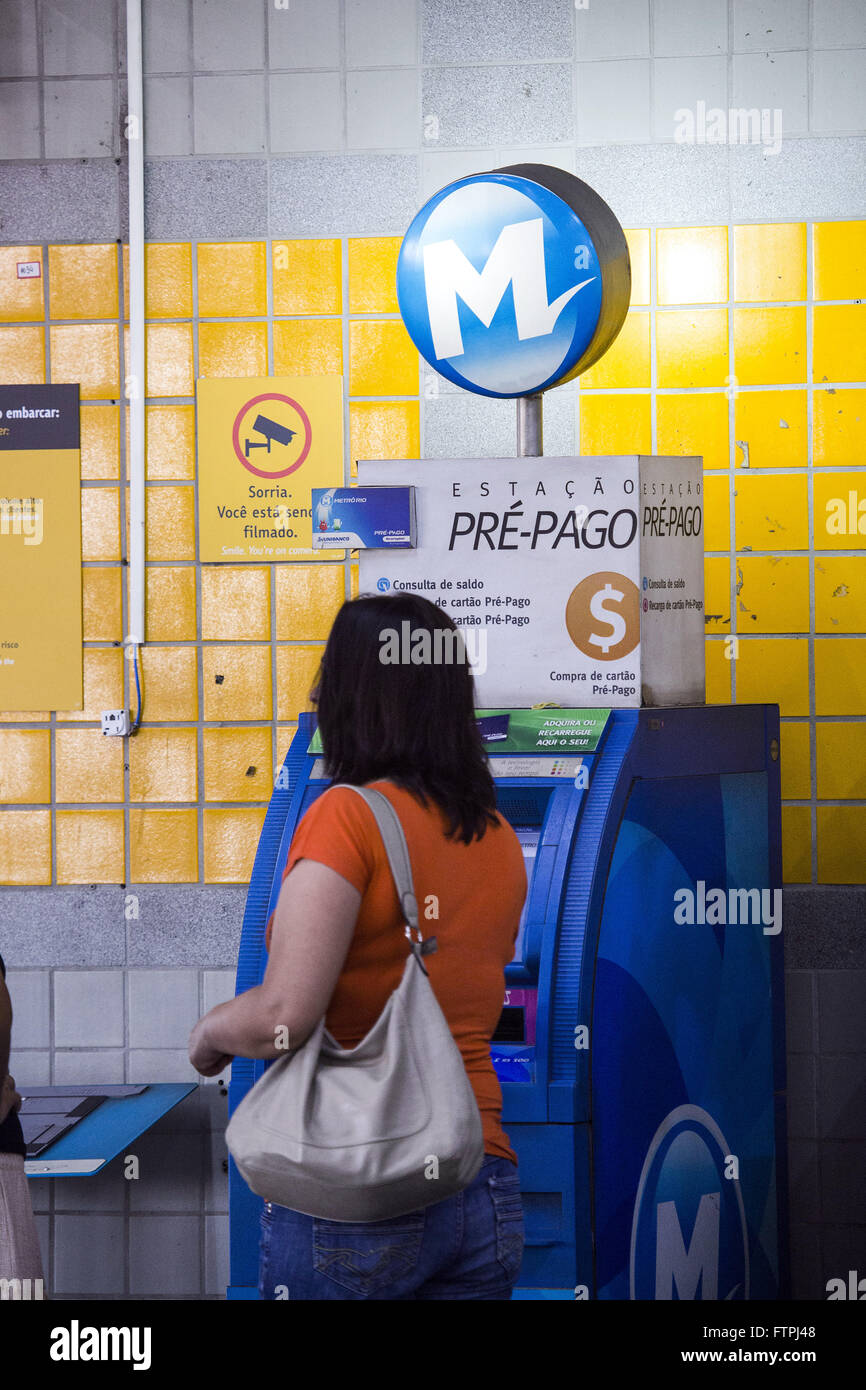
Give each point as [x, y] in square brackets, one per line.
[514, 281]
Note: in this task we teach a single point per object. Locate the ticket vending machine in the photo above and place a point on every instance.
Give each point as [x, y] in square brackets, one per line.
[641, 1047]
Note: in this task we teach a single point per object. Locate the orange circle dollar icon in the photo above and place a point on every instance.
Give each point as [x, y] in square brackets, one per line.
[603, 616]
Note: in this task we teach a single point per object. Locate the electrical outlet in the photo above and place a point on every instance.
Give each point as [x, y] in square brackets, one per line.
[115, 721]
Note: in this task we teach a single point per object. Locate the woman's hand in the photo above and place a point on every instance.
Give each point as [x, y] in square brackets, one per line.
[206, 1059]
[10, 1100]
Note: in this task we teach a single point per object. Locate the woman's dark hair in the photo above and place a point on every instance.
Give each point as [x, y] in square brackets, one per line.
[383, 715]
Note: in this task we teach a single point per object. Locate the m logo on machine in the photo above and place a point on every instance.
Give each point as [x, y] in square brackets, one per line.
[689, 1237]
[513, 281]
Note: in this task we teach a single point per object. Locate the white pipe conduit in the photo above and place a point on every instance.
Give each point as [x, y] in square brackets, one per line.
[135, 363]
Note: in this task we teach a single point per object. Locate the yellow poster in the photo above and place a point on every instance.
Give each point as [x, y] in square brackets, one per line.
[263, 444]
[40, 549]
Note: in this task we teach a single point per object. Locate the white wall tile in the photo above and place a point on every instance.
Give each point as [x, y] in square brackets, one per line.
[79, 119]
[306, 35]
[380, 32]
[217, 987]
[89, 1254]
[228, 35]
[613, 102]
[229, 114]
[216, 1255]
[838, 23]
[686, 27]
[306, 111]
[30, 1068]
[29, 991]
[20, 120]
[168, 127]
[88, 1008]
[839, 92]
[163, 1007]
[166, 37]
[440, 167]
[383, 111]
[680, 83]
[615, 29]
[558, 156]
[160, 1064]
[79, 40]
[762, 25]
[774, 82]
[18, 51]
[164, 1255]
[100, 1064]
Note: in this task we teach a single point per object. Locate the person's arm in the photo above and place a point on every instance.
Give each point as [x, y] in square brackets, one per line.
[313, 925]
[9, 1097]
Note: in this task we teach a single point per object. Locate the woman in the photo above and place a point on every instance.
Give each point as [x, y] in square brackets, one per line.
[336, 945]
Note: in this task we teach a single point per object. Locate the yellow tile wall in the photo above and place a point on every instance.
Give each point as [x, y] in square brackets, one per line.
[744, 344]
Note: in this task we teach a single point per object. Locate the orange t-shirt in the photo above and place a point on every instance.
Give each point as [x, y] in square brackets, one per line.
[480, 887]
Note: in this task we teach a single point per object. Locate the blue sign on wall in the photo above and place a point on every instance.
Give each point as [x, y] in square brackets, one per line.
[513, 281]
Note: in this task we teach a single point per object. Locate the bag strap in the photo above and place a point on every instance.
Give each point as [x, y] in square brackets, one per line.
[397, 851]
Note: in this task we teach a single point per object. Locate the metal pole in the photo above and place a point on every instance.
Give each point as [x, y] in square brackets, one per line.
[530, 439]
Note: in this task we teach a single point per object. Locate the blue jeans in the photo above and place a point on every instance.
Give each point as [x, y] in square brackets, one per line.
[466, 1246]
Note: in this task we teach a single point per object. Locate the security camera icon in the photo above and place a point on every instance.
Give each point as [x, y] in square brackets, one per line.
[274, 434]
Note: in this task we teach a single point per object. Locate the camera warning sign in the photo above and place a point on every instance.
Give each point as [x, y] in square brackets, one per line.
[263, 444]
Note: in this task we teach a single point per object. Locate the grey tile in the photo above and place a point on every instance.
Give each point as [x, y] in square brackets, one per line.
[495, 31]
[382, 109]
[499, 105]
[774, 82]
[380, 32]
[43, 1231]
[204, 1110]
[613, 102]
[803, 1181]
[802, 1112]
[89, 1255]
[467, 426]
[823, 926]
[306, 34]
[60, 202]
[799, 1011]
[216, 1255]
[166, 36]
[559, 420]
[160, 1064]
[680, 84]
[842, 1097]
[842, 1011]
[20, 120]
[446, 166]
[229, 114]
[766, 25]
[682, 28]
[171, 1172]
[659, 183]
[104, 1191]
[40, 1190]
[361, 194]
[217, 987]
[168, 115]
[806, 1280]
[558, 156]
[30, 1068]
[163, 1007]
[839, 90]
[88, 1008]
[199, 926]
[29, 991]
[18, 52]
[164, 1255]
[91, 1067]
[79, 118]
[306, 111]
[216, 1185]
[843, 1191]
[79, 40]
[616, 29]
[838, 23]
[228, 35]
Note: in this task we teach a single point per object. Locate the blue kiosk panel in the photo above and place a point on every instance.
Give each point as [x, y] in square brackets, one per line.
[641, 1044]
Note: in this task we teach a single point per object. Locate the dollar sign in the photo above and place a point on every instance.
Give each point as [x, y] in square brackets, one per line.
[610, 616]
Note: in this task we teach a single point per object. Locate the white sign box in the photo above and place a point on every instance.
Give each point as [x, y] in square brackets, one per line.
[576, 581]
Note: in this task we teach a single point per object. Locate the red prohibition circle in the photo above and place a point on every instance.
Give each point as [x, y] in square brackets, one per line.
[236, 434]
